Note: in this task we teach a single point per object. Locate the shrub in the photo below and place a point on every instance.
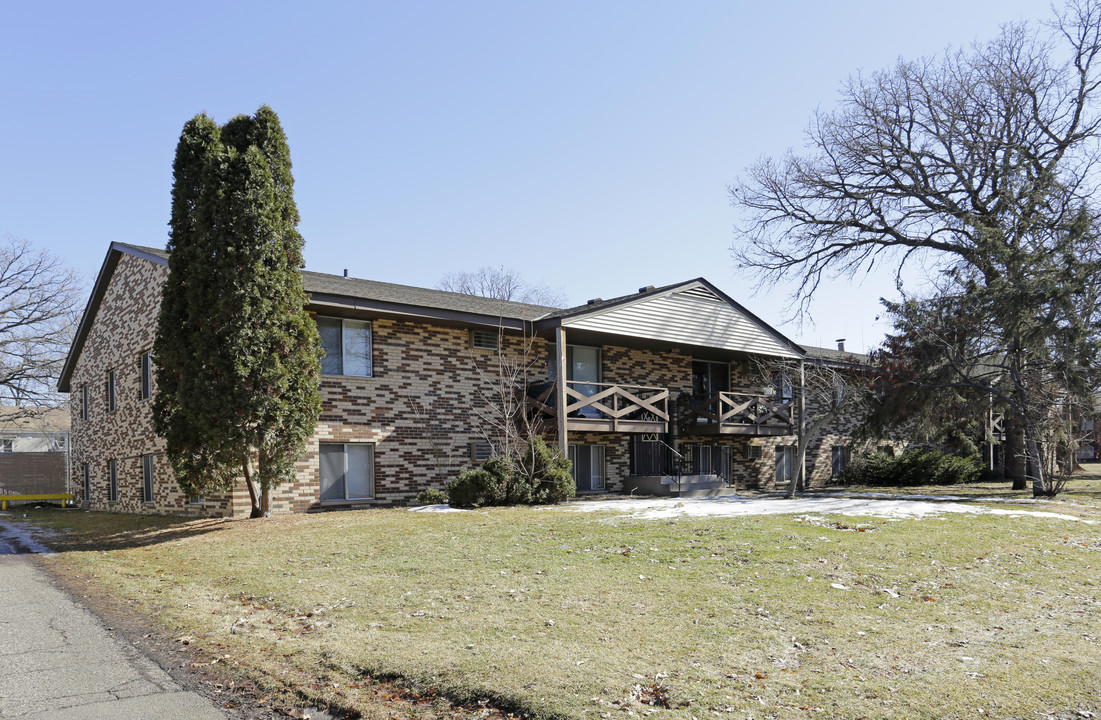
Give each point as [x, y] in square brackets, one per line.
[543, 476]
[540, 476]
[914, 467]
[432, 496]
[478, 487]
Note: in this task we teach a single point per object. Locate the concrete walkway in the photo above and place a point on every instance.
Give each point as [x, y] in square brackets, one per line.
[58, 661]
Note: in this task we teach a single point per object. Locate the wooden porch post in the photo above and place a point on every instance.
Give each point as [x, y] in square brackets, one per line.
[560, 388]
[802, 424]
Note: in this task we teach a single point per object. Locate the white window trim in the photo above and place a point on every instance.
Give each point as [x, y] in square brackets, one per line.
[370, 346]
[573, 451]
[344, 455]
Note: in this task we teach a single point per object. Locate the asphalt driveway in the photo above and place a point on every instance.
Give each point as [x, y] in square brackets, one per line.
[58, 661]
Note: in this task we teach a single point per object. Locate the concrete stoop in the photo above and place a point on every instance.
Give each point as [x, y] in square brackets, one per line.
[666, 486]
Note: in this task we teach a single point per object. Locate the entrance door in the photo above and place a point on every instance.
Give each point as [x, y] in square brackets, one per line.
[785, 465]
[710, 377]
[587, 466]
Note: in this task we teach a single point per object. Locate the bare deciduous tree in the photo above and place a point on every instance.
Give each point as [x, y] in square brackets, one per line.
[504, 418]
[501, 283]
[981, 165]
[827, 393]
[38, 305]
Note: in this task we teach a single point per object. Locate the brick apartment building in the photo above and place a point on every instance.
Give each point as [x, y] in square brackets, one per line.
[662, 389]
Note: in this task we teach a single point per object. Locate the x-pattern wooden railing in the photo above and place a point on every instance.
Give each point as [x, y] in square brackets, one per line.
[997, 428]
[728, 408]
[605, 401]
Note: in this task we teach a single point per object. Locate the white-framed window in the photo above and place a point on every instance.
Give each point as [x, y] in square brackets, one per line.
[7, 445]
[146, 391]
[347, 345]
[147, 478]
[113, 472]
[753, 452]
[785, 464]
[112, 391]
[347, 471]
[485, 339]
[198, 500]
[87, 483]
[839, 459]
[83, 402]
[587, 466]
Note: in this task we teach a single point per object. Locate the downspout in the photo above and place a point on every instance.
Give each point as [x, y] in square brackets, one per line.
[560, 389]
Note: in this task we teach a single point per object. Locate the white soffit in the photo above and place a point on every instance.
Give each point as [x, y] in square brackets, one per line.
[692, 315]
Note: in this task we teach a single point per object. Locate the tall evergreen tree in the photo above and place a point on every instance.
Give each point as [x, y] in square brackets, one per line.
[237, 356]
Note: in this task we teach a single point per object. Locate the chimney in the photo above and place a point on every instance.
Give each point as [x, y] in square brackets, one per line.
[345, 272]
[841, 344]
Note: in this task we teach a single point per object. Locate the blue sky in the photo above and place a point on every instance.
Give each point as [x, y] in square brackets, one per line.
[588, 145]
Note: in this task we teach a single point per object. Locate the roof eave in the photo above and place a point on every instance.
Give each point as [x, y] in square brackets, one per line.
[573, 314]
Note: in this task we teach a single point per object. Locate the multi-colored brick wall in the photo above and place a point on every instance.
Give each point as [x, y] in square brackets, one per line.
[423, 407]
[123, 329]
[431, 395]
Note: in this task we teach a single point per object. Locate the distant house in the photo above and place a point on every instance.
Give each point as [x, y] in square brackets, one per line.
[654, 391]
[33, 445]
[27, 430]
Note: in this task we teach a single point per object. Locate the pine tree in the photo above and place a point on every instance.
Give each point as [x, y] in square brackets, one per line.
[236, 354]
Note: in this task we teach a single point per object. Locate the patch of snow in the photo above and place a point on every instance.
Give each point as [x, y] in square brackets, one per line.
[436, 509]
[892, 508]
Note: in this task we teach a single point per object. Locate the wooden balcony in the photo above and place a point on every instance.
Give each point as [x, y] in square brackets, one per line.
[997, 427]
[603, 407]
[730, 413]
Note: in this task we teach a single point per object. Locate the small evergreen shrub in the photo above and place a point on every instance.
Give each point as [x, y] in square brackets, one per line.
[540, 476]
[478, 487]
[432, 496]
[547, 479]
[914, 467]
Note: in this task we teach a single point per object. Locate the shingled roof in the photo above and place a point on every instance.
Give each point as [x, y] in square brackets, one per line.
[324, 284]
[357, 294]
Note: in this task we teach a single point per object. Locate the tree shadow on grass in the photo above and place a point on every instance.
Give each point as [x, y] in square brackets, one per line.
[74, 530]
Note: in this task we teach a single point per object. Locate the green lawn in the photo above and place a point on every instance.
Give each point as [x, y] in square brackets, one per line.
[558, 613]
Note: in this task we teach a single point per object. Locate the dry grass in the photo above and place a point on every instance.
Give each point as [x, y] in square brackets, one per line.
[554, 613]
[1084, 488]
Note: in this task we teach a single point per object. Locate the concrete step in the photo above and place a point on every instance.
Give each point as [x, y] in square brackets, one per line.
[689, 486]
[694, 492]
